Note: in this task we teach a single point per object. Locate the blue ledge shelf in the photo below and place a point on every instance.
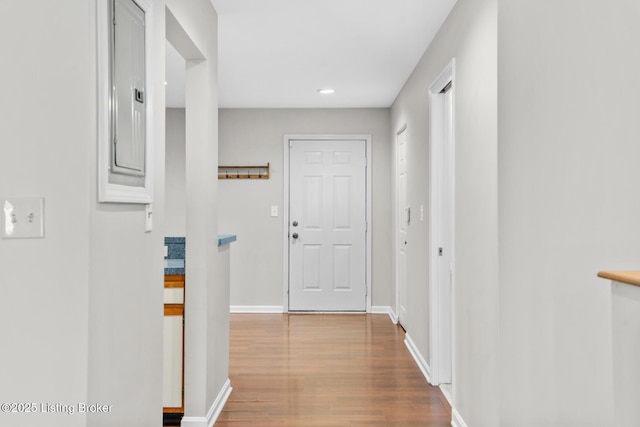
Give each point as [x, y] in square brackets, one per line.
[225, 239]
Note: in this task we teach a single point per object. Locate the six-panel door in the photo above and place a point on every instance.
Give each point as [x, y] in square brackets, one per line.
[327, 244]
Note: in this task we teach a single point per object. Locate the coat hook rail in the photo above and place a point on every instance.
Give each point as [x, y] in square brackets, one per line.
[244, 172]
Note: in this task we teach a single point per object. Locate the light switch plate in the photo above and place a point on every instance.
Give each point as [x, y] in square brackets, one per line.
[22, 218]
[274, 211]
[148, 218]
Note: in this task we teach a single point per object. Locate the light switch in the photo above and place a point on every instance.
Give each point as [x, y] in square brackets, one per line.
[148, 217]
[22, 218]
[274, 211]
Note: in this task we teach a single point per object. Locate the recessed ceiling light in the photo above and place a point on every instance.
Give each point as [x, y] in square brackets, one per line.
[326, 91]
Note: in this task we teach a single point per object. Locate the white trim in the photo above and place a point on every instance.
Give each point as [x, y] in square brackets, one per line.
[285, 224]
[256, 309]
[108, 192]
[447, 75]
[446, 390]
[285, 216]
[456, 419]
[417, 356]
[396, 222]
[214, 411]
[385, 309]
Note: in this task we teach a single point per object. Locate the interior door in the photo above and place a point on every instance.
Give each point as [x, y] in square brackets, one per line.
[403, 218]
[445, 249]
[327, 230]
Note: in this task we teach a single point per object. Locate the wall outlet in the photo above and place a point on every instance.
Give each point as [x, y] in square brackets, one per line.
[22, 218]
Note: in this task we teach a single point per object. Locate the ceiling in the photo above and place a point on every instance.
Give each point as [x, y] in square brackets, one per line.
[278, 53]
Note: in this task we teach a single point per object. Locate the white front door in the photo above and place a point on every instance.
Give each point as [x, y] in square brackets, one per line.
[402, 223]
[327, 225]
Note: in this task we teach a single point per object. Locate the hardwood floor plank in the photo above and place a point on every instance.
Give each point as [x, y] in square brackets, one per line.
[326, 370]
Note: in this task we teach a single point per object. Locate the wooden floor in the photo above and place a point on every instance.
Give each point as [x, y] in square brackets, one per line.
[325, 370]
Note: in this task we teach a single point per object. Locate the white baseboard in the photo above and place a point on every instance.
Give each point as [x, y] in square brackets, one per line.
[256, 309]
[420, 361]
[214, 411]
[385, 309]
[266, 309]
[446, 391]
[456, 419]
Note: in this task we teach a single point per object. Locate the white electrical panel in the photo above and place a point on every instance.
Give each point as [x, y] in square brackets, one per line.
[128, 142]
[22, 218]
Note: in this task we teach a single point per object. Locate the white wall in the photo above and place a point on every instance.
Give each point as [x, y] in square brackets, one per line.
[84, 303]
[46, 132]
[625, 309]
[568, 128]
[470, 36]
[126, 293]
[83, 312]
[126, 282]
[193, 31]
[255, 136]
[175, 191]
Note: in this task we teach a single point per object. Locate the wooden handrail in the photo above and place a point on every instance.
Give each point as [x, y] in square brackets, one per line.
[628, 277]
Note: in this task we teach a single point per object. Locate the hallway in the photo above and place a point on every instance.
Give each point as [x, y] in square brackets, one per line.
[326, 370]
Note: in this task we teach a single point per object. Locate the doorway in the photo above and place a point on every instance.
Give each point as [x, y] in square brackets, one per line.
[175, 229]
[442, 251]
[326, 223]
[195, 210]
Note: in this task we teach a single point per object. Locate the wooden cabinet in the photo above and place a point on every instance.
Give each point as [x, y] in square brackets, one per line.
[173, 379]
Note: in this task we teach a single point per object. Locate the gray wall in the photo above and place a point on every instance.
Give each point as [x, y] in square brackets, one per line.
[470, 36]
[175, 190]
[533, 336]
[569, 203]
[255, 136]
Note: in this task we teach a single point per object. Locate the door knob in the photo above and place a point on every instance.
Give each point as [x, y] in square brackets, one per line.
[294, 235]
[295, 223]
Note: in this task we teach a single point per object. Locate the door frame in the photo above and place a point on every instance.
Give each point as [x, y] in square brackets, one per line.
[285, 214]
[437, 308]
[402, 130]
